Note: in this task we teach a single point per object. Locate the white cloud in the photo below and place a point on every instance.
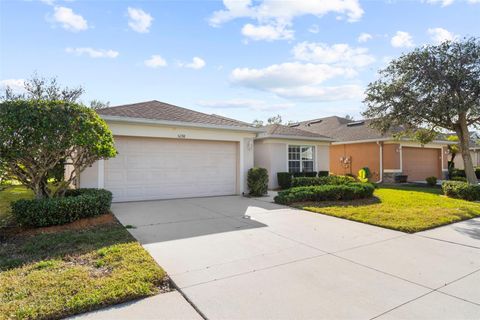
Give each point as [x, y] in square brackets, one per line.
[364, 37]
[444, 3]
[197, 63]
[338, 54]
[288, 74]
[250, 104]
[267, 32]
[155, 61]
[48, 2]
[319, 94]
[314, 28]
[93, 53]
[17, 85]
[439, 35]
[402, 39]
[296, 80]
[69, 20]
[139, 20]
[278, 15]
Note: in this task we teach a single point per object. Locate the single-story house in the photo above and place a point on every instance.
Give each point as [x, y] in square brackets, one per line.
[286, 149]
[474, 152]
[357, 145]
[165, 151]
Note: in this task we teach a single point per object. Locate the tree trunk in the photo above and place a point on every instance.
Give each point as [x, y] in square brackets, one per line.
[464, 146]
[451, 164]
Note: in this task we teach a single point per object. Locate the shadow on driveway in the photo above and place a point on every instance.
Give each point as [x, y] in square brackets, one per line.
[166, 220]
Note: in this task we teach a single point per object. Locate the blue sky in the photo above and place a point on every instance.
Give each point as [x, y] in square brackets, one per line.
[301, 59]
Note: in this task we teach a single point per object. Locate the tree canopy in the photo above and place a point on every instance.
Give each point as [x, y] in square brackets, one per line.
[434, 87]
[36, 135]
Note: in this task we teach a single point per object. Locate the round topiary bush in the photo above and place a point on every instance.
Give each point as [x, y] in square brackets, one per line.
[75, 205]
[257, 181]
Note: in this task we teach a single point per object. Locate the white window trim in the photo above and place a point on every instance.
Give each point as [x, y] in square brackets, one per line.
[314, 153]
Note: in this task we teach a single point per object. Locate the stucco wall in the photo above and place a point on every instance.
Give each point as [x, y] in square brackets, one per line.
[272, 155]
[360, 155]
[89, 177]
[459, 159]
[391, 156]
[323, 157]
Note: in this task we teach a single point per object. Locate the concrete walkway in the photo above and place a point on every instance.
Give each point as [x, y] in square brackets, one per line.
[241, 258]
[165, 306]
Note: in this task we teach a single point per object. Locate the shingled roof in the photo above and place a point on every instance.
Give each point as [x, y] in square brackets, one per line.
[281, 131]
[342, 129]
[156, 110]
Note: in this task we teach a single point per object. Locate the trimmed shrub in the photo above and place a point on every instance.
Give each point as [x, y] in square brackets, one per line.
[298, 174]
[284, 179]
[458, 179]
[257, 181]
[323, 173]
[75, 205]
[311, 174]
[477, 172]
[453, 173]
[431, 181]
[318, 181]
[325, 193]
[461, 190]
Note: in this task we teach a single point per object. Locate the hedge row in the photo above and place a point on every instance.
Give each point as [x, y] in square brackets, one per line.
[455, 173]
[319, 181]
[77, 204]
[325, 193]
[285, 178]
[461, 190]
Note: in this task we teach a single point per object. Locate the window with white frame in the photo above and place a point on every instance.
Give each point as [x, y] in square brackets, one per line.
[301, 158]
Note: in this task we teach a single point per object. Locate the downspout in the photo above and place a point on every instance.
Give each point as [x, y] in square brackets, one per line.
[381, 161]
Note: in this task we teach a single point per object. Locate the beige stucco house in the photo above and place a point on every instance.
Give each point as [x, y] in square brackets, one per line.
[165, 151]
[285, 149]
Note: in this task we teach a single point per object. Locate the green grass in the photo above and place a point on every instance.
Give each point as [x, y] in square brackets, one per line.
[53, 275]
[404, 208]
[7, 195]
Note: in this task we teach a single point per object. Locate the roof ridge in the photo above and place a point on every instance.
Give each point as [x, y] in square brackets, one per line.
[231, 119]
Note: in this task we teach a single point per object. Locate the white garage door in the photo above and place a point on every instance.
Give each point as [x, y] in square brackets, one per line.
[154, 168]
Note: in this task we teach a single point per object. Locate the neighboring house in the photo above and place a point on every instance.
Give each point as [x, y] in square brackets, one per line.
[474, 152]
[165, 151]
[285, 149]
[358, 146]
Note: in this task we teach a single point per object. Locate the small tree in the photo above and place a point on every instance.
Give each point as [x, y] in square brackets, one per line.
[37, 135]
[433, 87]
[41, 88]
[453, 150]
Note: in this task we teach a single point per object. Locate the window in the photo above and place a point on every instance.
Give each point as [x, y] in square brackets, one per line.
[301, 158]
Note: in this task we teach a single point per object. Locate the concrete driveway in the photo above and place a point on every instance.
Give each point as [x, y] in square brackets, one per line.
[240, 258]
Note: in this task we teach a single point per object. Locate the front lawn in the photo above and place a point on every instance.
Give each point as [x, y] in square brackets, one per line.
[404, 208]
[7, 195]
[53, 272]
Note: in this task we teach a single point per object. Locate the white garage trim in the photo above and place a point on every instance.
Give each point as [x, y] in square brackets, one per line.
[162, 168]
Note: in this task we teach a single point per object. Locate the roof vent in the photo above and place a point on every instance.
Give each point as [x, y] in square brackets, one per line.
[313, 122]
[355, 123]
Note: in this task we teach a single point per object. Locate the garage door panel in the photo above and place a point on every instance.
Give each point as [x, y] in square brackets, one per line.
[420, 163]
[153, 168]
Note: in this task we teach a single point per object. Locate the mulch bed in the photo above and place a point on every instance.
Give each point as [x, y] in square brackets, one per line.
[17, 231]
